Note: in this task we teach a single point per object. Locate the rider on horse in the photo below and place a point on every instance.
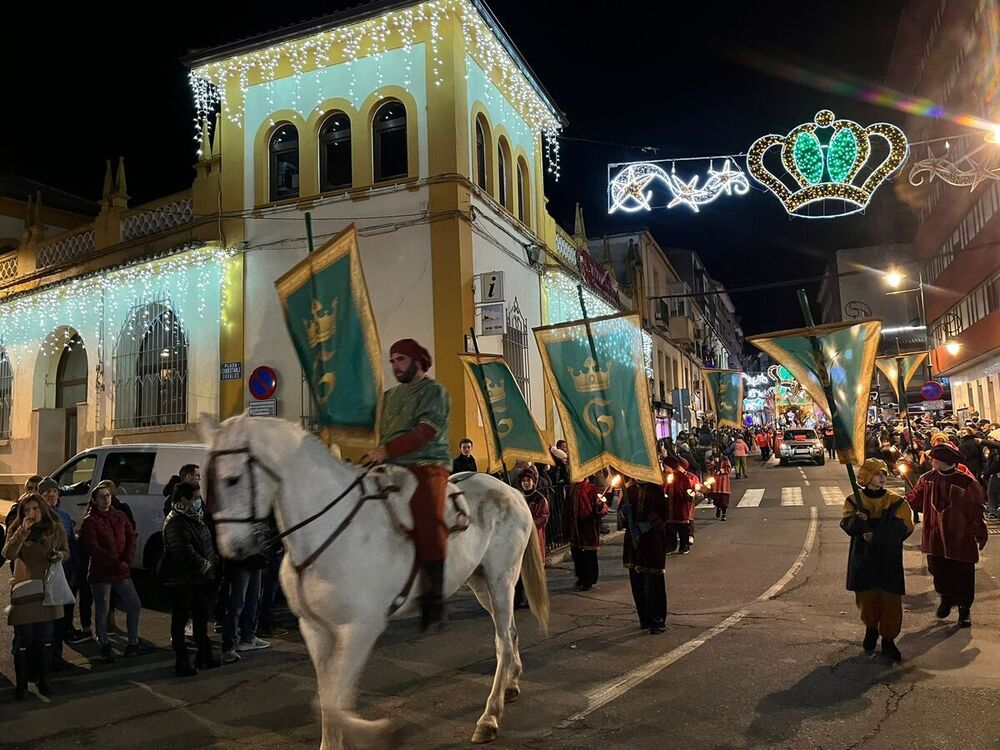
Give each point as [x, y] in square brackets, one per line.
[413, 432]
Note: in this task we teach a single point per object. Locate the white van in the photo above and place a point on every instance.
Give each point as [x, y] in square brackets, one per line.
[142, 471]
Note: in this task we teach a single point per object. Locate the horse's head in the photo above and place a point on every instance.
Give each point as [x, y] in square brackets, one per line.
[240, 488]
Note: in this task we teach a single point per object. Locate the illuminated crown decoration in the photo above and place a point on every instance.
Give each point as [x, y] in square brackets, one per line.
[827, 171]
[591, 379]
[322, 327]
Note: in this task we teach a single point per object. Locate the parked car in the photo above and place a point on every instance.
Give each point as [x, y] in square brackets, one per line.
[801, 445]
[141, 471]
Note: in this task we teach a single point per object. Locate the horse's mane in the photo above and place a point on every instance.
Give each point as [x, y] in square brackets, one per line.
[308, 443]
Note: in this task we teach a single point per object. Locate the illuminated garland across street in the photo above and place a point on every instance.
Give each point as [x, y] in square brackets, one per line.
[826, 162]
[627, 190]
[950, 172]
[829, 172]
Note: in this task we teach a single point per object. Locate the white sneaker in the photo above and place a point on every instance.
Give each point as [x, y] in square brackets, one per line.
[255, 645]
[230, 657]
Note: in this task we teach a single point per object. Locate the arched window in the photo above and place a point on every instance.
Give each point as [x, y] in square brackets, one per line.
[335, 152]
[6, 394]
[504, 187]
[523, 193]
[480, 154]
[151, 369]
[284, 154]
[389, 142]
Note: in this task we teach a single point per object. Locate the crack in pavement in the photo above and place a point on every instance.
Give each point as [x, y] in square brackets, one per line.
[891, 706]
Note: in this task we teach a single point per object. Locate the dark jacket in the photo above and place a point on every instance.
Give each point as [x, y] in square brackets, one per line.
[972, 454]
[188, 552]
[879, 563]
[110, 541]
[463, 463]
[644, 515]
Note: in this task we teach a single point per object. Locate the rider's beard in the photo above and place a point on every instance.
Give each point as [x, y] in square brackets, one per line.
[407, 376]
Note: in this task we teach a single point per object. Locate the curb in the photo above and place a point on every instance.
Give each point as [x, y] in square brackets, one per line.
[561, 554]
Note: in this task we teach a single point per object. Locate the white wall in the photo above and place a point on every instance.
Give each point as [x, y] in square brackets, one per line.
[520, 282]
[397, 266]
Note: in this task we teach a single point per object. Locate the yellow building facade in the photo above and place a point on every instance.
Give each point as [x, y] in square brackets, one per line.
[419, 123]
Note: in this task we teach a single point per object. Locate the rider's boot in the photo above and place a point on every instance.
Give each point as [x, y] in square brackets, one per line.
[432, 601]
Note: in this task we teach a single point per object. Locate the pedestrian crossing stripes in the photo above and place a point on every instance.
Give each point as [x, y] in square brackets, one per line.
[791, 496]
[832, 495]
[751, 499]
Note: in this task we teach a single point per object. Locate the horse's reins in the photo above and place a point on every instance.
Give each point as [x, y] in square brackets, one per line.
[382, 493]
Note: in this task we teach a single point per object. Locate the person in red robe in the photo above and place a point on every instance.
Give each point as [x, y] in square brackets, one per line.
[680, 505]
[587, 507]
[539, 507]
[718, 491]
[953, 506]
[643, 511]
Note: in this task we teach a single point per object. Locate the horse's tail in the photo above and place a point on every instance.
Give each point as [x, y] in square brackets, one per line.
[533, 578]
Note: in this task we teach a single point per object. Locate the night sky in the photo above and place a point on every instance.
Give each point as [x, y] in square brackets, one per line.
[95, 82]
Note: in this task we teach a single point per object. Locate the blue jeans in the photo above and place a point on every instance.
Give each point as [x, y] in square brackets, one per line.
[127, 597]
[241, 608]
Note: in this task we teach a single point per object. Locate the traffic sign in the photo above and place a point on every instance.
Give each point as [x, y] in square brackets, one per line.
[931, 391]
[262, 383]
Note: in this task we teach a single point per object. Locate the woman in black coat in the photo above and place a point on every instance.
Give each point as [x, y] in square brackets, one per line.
[188, 572]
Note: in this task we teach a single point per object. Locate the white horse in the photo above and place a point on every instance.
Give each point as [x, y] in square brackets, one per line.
[348, 561]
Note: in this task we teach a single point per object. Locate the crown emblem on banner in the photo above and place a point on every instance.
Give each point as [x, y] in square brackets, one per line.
[825, 159]
[322, 327]
[590, 379]
[496, 392]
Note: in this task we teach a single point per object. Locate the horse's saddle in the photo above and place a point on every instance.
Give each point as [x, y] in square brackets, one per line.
[397, 501]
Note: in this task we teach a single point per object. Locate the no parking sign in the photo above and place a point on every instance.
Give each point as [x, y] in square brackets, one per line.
[262, 383]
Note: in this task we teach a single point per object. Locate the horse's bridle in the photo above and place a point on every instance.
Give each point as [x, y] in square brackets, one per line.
[252, 461]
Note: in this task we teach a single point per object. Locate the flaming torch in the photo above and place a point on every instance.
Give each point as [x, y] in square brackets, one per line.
[904, 469]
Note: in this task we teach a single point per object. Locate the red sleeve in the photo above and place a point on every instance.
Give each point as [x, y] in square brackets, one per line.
[410, 441]
[584, 501]
[541, 513]
[917, 495]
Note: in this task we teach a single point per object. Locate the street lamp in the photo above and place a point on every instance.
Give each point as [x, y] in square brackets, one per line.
[894, 278]
[953, 347]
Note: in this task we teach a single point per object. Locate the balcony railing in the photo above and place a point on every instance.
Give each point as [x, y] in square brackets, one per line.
[66, 249]
[156, 220]
[8, 268]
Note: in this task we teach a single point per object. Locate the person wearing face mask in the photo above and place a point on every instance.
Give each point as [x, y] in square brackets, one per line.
[188, 572]
[877, 527]
[953, 506]
[110, 540]
[35, 541]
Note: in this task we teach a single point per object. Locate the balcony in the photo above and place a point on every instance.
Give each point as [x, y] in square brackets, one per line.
[681, 330]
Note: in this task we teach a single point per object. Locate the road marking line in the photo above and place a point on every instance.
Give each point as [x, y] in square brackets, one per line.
[610, 691]
[791, 496]
[751, 499]
[832, 495]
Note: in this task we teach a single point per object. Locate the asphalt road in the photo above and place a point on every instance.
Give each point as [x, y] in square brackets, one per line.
[762, 650]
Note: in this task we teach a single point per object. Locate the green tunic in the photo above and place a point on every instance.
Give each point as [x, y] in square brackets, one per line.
[409, 404]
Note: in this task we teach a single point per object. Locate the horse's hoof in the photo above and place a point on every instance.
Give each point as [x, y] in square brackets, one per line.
[484, 734]
[511, 694]
[394, 736]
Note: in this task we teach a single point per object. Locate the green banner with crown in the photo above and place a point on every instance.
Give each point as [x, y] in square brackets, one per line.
[838, 358]
[595, 369]
[329, 317]
[511, 432]
[724, 393]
